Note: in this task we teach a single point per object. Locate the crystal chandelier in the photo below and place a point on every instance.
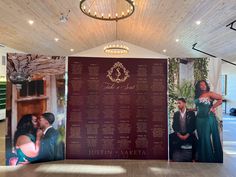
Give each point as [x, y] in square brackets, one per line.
[116, 48]
[19, 78]
[19, 71]
[92, 9]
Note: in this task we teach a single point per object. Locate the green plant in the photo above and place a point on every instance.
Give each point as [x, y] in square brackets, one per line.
[173, 81]
[186, 90]
[200, 69]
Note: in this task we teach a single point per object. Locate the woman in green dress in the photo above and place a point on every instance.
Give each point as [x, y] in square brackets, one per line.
[26, 141]
[209, 147]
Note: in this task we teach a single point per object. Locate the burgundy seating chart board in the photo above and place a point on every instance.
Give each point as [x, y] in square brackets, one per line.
[117, 108]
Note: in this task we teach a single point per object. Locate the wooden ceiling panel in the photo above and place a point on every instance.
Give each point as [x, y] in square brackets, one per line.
[154, 25]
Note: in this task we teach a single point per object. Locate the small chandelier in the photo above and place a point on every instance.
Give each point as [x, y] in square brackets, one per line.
[115, 49]
[90, 10]
[19, 71]
[19, 78]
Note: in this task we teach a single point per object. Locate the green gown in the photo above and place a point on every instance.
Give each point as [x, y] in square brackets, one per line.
[22, 158]
[209, 147]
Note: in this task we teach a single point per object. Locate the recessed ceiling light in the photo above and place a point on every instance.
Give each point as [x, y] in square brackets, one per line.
[176, 40]
[72, 50]
[31, 22]
[164, 50]
[56, 39]
[198, 22]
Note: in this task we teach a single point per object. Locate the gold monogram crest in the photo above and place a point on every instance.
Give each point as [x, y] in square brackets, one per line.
[118, 73]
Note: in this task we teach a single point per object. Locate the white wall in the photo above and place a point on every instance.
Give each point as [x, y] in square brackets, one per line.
[230, 71]
[186, 72]
[134, 52]
[2, 67]
[214, 73]
[3, 52]
[2, 78]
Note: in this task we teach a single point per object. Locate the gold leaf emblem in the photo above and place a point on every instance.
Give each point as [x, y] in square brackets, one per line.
[118, 73]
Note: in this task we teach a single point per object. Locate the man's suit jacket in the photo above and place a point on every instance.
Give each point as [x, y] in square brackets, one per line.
[190, 122]
[50, 147]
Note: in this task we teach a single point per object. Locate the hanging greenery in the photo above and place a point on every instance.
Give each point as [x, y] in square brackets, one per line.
[173, 81]
[200, 69]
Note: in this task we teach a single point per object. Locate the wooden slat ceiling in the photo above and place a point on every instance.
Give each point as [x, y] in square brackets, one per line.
[154, 25]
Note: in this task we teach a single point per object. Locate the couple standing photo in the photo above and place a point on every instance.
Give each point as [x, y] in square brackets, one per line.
[35, 140]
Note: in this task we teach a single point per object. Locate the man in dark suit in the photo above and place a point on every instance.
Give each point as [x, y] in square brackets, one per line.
[184, 125]
[50, 147]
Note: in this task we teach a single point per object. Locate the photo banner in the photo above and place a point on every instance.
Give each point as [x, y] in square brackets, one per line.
[36, 108]
[195, 113]
[117, 108]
